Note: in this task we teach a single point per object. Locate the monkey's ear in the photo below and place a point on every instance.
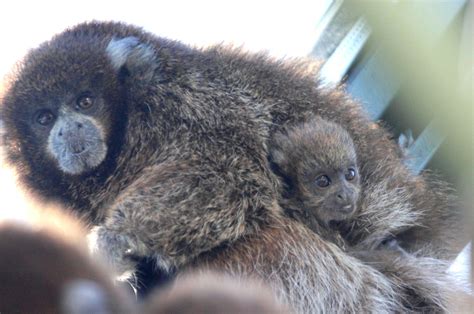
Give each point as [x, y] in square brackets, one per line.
[278, 146]
[278, 157]
[133, 57]
[280, 166]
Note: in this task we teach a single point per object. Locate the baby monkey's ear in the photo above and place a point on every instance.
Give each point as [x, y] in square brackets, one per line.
[130, 56]
[278, 157]
[278, 151]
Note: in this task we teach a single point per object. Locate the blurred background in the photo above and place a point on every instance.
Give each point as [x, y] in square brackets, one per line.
[409, 63]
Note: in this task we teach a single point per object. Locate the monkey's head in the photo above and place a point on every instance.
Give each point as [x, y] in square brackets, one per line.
[65, 113]
[319, 164]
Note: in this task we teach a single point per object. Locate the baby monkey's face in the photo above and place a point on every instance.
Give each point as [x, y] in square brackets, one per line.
[318, 160]
[330, 194]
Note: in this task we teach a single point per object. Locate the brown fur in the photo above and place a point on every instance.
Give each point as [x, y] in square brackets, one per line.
[44, 263]
[302, 154]
[212, 294]
[285, 256]
[319, 147]
[186, 172]
[421, 283]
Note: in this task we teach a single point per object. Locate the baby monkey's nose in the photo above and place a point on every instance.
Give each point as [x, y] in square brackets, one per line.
[343, 198]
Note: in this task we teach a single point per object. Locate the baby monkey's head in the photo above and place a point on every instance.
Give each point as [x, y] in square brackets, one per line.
[319, 164]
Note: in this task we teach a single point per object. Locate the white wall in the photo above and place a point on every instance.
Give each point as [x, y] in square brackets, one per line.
[282, 27]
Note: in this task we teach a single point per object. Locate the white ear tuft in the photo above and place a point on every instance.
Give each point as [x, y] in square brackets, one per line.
[137, 57]
[278, 157]
[118, 50]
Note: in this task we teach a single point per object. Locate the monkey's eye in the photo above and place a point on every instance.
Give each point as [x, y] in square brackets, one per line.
[85, 102]
[45, 117]
[350, 174]
[323, 181]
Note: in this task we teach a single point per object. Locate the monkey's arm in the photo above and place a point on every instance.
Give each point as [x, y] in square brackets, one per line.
[176, 210]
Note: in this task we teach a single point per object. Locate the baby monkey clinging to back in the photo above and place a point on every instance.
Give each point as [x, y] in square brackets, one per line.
[319, 163]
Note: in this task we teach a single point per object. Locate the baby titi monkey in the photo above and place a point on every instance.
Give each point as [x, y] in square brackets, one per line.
[318, 162]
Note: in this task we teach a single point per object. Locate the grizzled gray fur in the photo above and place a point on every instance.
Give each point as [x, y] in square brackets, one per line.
[173, 163]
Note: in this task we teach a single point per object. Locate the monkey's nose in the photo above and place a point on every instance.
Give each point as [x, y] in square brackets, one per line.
[77, 147]
[343, 199]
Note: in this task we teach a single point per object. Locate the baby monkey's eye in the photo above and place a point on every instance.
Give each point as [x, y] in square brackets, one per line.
[350, 174]
[85, 102]
[45, 117]
[323, 181]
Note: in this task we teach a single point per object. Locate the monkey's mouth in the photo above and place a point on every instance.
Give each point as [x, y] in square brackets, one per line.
[77, 144]
[348, 209]
[339, 214]
[78, 150]
[335, 224]
[78, 159]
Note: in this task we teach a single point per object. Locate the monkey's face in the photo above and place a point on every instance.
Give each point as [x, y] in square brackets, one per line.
[66, 113]
[319, 163]
[61, 112]
[76, 139]
[68, 130]
[330, 194]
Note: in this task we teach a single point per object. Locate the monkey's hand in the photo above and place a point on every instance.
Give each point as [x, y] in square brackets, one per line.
[118, 249]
